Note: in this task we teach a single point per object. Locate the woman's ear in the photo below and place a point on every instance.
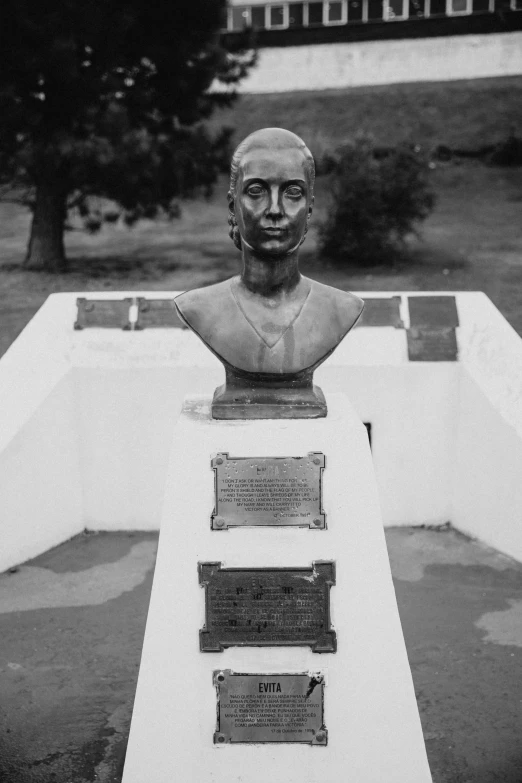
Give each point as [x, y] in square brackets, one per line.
[310, 209]
[231, 206]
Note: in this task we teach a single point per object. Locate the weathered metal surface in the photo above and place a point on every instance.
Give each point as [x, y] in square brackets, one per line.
[158, 313]
[278, 491]
[433, 311]
[267, 607]
[270, 708]
[103, 313]
[432, 345]
[270, 327]
[381, 312]
[257, 395]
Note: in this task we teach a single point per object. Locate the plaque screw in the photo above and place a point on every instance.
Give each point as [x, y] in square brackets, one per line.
[219, 461]
[221, 738]
[318, 522]
[317, 461]
[221, 677]
[320, 737]
[219, 521]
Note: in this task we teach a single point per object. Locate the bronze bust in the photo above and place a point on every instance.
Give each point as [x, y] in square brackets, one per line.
[270, 327]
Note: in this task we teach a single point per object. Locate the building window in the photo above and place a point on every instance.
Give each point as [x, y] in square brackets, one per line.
[315, 13]
[375, 10]
[437, 7]
[295, 15]
[258, 17]
[480, 6]
[239, 17]
[458, 7]
[277, 16]
[516, 5]
[355, 10]
[395, 10]
[335, 12]
[416, 9]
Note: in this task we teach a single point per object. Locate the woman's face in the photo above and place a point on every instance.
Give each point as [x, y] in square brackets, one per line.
[273, 200]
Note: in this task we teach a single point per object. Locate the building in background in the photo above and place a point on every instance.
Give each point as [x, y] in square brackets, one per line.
[329, 44]
[287, 24]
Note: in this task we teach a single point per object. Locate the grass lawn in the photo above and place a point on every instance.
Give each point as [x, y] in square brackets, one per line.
[472, 241]
[462, 114]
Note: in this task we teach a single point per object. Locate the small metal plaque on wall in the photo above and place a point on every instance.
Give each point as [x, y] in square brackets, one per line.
[103, 313]
[270, 708]
[157, 313]
[268, 491]
[267, 607]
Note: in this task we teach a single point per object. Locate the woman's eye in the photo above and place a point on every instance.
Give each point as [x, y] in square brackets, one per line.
[255, 190]
[294, 192]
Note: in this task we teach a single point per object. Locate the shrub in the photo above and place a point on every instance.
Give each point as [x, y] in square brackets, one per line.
[377, 198]
[508, 152]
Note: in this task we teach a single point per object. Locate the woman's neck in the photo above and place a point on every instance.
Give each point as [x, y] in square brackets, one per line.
[270, 276]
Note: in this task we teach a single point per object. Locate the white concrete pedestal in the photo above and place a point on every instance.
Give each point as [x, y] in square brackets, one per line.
[374, 732]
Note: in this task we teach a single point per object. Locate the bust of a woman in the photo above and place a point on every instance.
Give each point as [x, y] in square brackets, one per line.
[270, 326]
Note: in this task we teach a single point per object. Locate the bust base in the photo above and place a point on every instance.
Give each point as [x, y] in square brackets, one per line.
[233, 402]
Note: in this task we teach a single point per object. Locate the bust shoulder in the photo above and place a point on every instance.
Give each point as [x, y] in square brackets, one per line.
[203, 306]
[326, 317]
[341, 308]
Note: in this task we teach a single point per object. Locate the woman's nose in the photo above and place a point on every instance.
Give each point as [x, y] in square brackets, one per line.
[274, 204]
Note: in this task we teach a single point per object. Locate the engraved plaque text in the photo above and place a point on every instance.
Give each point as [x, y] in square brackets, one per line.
[252, 607]
[268, 491]
[270, 708]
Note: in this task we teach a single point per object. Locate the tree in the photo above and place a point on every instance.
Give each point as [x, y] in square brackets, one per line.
[378, 196]
[105, 98]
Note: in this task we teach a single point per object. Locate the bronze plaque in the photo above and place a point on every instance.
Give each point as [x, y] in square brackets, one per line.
[432, 345]
[383, 311]
[268, 491]
[103, 313]
[432, 312]
[267, 607]
[158, 313]
[270, 708]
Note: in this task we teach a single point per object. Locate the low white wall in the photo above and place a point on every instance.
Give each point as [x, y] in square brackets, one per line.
[40, 483]
[126, 420]
[354, 64]
[412, 409]
[487, 483]
[86, 422]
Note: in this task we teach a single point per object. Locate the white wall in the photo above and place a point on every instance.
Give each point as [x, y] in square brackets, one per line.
[40, 484]
[353, 64]
[86, 422]
[40, 492]
[412, 409]
[487, 484]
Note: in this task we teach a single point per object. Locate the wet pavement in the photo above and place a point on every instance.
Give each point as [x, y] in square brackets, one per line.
[72, 624]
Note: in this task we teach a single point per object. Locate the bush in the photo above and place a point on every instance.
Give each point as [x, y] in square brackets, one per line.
[378, 197]
[508, 152]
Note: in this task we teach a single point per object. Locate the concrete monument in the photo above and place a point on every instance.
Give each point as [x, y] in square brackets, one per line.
[273, 649]
[270, 326]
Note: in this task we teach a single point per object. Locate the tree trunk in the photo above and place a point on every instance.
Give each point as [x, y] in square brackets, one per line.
[45, 250]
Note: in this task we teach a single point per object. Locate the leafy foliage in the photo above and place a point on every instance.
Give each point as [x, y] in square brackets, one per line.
[105, 98]
[508, 152]
[378, 196]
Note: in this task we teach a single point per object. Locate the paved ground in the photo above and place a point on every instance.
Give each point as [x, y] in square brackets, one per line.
[72, 624]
